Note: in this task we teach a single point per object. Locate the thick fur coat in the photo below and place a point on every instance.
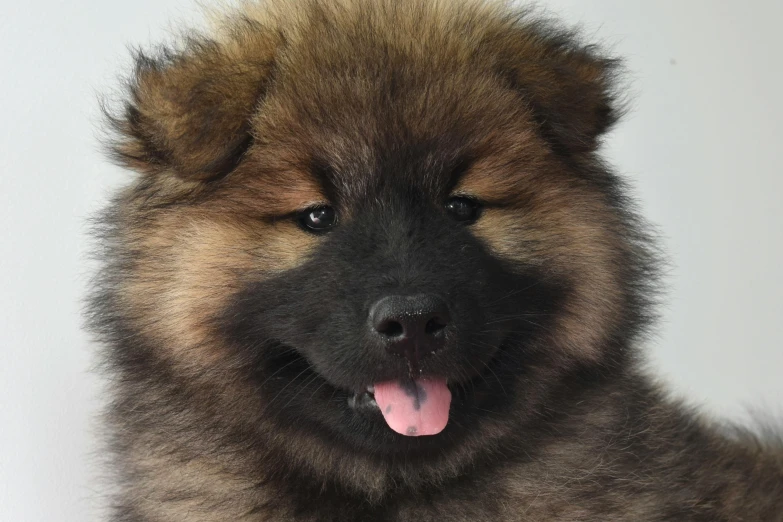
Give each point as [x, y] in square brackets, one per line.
[309, 158]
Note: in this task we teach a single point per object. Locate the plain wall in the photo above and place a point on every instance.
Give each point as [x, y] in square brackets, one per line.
[701, 147]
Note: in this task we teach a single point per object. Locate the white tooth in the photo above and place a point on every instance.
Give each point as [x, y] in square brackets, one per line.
[371, 388]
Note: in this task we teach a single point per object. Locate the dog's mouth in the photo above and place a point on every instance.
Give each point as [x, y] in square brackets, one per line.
[423, 406]
[411, 407]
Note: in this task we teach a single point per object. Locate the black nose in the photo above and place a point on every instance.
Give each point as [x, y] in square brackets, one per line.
[410, 326]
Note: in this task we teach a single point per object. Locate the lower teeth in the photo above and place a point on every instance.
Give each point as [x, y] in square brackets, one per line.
[362, 399]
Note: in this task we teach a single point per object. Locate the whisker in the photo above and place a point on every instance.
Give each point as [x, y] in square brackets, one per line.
[305, 385]
[268, 404]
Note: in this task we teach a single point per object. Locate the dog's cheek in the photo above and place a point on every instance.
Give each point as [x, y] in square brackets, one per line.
[570, 242]
[189, 268]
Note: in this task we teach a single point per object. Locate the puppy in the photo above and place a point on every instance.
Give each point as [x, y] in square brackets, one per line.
[372, 269]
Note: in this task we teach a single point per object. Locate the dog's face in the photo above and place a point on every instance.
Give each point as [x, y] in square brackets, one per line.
[392, 238]
[393, 279]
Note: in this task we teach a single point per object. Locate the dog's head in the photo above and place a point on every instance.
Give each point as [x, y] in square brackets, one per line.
[367, 221]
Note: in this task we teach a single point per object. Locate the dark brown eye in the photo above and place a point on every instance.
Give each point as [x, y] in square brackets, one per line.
[317, 219]
[463, 209]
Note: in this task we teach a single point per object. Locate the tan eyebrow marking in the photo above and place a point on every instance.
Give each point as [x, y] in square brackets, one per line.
[505, 169]
[276, 193]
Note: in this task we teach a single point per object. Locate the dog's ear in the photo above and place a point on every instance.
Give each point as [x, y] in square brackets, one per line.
[188, 111]
[570, 88]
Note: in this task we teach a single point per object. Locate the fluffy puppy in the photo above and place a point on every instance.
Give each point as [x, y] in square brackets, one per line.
[372, 269]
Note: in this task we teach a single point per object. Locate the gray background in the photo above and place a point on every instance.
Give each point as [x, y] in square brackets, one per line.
[702, 148]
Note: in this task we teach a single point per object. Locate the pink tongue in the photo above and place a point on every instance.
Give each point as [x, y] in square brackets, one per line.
[418, 407]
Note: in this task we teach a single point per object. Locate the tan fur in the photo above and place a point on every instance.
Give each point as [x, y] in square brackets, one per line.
[525, 206]
[191, 265]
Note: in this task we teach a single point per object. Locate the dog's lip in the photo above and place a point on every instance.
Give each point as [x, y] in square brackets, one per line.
[361, 396]
[358, 393]
[361, 399]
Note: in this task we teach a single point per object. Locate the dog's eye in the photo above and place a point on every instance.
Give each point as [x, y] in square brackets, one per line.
[462, 209]
[317, 219]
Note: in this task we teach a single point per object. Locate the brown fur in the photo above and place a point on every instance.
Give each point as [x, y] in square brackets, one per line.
[227, 132]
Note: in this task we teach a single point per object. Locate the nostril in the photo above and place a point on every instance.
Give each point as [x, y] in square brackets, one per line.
[410, 326]
[434, 326]
[390, 328]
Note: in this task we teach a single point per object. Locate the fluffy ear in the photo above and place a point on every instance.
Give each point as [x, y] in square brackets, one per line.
[188, 111]
[570, 87]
